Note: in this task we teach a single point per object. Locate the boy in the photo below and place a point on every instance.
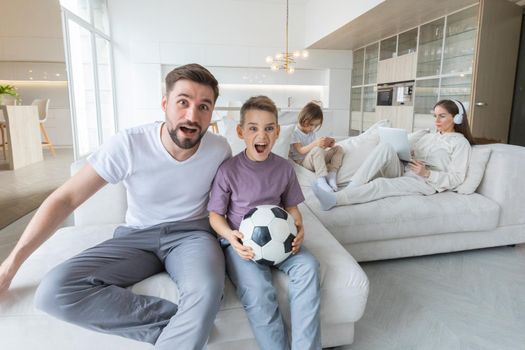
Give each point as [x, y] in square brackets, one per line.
[255, 177]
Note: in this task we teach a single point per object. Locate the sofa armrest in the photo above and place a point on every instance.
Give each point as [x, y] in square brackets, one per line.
[345, 284]
[503, 182]
[107, 206]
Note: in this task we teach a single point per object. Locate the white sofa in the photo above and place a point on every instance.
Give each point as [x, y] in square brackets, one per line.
[344, 288]
[407, 226]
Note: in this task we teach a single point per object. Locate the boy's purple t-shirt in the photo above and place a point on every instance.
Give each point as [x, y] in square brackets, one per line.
[242, 184]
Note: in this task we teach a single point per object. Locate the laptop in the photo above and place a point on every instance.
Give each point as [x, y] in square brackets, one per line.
[398, 139]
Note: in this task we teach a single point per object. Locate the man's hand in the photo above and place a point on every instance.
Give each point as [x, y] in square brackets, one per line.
[5, 277]
[298, 240]
[244, 252]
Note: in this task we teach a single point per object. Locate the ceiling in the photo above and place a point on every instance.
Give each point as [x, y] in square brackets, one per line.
[389, 18]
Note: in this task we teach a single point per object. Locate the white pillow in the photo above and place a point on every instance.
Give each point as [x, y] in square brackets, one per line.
[356, 149]
[416, 136]
[479, 157]
[282, 145]
[228, 129]
[374, 127]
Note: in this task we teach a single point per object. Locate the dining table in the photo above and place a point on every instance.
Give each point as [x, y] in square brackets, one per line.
[22, 140]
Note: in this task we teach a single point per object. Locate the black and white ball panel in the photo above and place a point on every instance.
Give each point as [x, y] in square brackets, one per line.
[269, 230]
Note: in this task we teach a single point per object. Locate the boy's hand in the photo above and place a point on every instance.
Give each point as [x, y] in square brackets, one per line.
[298, 240]
[325, 142]
[244, 252]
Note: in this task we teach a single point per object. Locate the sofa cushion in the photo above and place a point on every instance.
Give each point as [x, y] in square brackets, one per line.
[479, 158]
[344, 289]
[403, 216]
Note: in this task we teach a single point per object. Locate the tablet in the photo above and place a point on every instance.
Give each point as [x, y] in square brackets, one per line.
[398, 139]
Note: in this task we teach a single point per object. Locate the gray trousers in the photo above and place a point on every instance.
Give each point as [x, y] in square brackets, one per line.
[89, 290]
[382, 175]
[253, 283]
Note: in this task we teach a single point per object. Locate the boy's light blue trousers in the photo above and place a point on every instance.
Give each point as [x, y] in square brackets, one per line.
[253, 283]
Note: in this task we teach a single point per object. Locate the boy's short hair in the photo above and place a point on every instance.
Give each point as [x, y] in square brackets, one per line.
[312, 111]
[193, 72]
[262, 103]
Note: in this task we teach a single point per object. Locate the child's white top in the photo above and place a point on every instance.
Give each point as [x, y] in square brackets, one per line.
[304, 139]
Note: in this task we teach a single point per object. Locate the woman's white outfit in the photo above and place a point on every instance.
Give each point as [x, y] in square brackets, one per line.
[384, 175]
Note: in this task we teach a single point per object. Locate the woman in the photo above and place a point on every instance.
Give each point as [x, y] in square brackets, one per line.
[440, 161]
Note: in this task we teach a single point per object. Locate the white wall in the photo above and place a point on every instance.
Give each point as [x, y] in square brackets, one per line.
[323, 17]
[31, 46]
[218, 34]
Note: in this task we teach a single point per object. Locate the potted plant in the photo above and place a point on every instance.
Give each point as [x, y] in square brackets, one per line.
[8, 90]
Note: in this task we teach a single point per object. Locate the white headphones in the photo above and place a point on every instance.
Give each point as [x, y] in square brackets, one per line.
[458, 118]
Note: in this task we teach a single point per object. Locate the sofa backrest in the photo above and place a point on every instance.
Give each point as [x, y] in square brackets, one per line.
[504, 182]
[107, 206]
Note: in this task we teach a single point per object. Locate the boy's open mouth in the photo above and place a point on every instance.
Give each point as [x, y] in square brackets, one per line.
[260, 147]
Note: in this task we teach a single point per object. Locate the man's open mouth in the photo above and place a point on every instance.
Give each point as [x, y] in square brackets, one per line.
[189, 130]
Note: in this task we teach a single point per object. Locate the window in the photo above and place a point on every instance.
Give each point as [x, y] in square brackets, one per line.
[90, 69]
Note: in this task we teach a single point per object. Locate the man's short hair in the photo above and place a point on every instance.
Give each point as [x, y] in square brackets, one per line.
[262, 103]
[193, 72]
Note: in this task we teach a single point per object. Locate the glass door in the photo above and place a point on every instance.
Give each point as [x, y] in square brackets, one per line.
[358, 65]
[460, 42]
[430, 49]
[426, 94]
[356, 122]
[407, 42]
[369, 106]
[371, 58]
[388, 48]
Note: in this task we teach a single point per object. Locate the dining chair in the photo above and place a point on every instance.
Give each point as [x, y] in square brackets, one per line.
[43, 107]
[7, 100]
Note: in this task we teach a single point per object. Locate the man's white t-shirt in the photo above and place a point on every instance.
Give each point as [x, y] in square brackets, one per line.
[159, 187]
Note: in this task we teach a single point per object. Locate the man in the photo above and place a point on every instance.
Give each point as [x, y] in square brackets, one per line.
[167, 169]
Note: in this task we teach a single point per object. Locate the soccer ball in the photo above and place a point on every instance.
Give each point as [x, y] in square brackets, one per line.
[269, 230]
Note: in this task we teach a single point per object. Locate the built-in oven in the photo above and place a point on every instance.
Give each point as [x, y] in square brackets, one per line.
[385, 96]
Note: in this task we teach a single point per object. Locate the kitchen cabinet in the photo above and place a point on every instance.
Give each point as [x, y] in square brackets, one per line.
[401, 68]
[460, 56]
[371, 59]
[356, 122]
[358, 66]
[364, 80]
[397, 58]
[386, 71]
[388, 48]
[407, 42]
[399, 116]
[430, 48]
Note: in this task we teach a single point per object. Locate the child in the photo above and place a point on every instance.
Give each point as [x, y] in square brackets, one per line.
[316, 154]
[255, 177]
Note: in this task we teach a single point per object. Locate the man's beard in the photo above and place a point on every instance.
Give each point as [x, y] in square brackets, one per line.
[185, 143]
